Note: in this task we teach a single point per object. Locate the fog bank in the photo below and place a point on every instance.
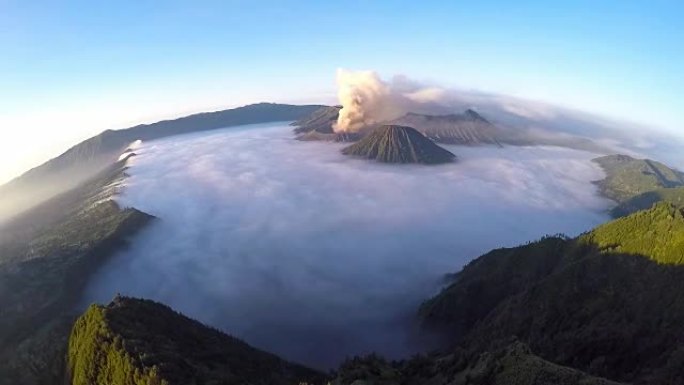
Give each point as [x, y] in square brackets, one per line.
[316, 256]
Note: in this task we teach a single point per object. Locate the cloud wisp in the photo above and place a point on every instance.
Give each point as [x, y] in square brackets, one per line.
[316, 256]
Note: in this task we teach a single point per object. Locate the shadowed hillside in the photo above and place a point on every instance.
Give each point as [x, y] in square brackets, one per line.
[46, 257]
[513, 363]
[608, 302]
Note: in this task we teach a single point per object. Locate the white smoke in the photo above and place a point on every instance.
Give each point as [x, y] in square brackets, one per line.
[366, 99]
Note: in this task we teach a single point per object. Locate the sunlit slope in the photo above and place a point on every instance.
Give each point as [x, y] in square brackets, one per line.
[672, 195]
[609, 302]
[657, 234]
[635, 184]
[133, 341]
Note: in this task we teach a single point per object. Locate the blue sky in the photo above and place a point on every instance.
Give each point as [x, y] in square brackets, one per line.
[71, 69]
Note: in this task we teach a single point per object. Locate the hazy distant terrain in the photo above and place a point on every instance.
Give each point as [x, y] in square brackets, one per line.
[273, 239]
[46, 257]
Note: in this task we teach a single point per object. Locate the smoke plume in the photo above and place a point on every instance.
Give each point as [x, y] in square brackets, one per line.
[366, 99]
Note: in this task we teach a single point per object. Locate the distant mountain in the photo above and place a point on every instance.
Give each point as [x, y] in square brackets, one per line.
[320, 121]
[643, 201]
[399, 144]
[133, 341]
[468, 128]
[608, 302]
[638, 183]
[91, 156]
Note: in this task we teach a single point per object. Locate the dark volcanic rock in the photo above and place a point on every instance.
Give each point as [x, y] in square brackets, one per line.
[399, 144]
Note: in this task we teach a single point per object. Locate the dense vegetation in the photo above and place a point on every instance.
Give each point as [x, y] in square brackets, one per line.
[657, 234]
[89, 157]
[134, 341]
[643, 201]
[608, 303]
[511, 364]
[638, 183]
[398, 144]
[46, 257]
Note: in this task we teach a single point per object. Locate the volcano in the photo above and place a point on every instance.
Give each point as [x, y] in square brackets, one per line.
[468, 128]
[399, 144]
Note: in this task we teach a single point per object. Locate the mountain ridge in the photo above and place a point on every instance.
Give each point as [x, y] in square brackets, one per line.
[92, 155]
[145, 342]
[607, 302]
[636, 184]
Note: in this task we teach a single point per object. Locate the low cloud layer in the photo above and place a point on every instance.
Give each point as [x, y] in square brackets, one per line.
[316, 256]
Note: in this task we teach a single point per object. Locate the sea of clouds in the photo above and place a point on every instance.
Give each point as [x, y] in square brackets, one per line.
[315, 256]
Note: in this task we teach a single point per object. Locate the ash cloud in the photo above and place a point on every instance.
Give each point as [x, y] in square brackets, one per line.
[315, 256]
[366, 99]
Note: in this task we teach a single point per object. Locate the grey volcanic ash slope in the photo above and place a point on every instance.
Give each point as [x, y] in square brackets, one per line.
[399, 144]
[468, 128]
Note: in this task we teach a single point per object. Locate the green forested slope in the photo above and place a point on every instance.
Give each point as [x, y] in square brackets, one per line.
[511, 364]
[132, 341]
[609, 302]
[643, 201]
[46, 257]
[627, 177]
[636, 184]
[657, 234]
